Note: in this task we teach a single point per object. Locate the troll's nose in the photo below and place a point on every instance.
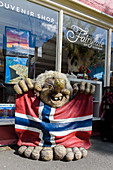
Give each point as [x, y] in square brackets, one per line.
[59, 84]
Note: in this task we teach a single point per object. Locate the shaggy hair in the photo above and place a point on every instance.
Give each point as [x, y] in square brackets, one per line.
[54, 74]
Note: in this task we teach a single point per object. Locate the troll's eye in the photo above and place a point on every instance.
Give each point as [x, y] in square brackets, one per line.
[49, 86]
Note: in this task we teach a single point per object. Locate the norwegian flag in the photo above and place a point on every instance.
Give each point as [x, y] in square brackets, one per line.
[40, 124]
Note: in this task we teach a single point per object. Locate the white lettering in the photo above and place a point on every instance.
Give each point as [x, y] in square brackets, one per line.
[27, 12]
[48, 19]
[82, 39]
[38, 16]
[43, 17]
[88, 40]
[17, 9]
[23, 11]
[1, 4]
[90, 44]
[32, 14]
[78, 34]
[6, 6]
[52, 20]
[12, 7]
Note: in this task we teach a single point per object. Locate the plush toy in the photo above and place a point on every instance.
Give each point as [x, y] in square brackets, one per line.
[52, 119]
[83, 70]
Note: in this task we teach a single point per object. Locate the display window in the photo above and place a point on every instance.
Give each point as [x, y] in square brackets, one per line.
[28, 43]
[84, 49]
[32, 41]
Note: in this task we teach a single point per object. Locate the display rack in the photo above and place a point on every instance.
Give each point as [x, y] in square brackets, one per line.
[97, 96]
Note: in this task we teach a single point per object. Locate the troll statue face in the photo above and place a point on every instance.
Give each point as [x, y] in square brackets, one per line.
[54, 92]
[51, 87]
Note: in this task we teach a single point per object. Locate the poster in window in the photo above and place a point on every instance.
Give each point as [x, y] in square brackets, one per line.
[17, 42]
[16, 69]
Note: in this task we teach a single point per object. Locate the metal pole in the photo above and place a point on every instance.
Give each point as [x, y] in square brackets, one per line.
[108, 58]
[59, 49]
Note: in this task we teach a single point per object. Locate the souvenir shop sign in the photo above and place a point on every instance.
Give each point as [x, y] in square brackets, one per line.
[27, 8]
[81, 36]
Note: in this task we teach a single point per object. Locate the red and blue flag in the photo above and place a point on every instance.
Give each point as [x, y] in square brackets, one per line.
[40, 124]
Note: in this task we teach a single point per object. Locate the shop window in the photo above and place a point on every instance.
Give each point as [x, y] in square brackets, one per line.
[84, 49]
[28, 34]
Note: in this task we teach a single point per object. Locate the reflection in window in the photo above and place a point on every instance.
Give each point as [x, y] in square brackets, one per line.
[84, 47]
[28, 34]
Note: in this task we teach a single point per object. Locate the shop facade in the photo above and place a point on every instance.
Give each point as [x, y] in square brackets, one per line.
[51, 35]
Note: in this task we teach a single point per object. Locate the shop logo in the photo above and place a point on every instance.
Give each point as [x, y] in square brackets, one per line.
[81, 36]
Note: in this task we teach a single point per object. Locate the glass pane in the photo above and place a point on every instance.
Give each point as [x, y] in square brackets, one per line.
[84, 49]
[28, 34]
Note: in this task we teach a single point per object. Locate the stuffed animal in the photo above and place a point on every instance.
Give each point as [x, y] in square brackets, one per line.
[53, 120]
[83, 70]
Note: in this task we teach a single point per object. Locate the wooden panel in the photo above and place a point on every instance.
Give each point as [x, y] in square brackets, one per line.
[7, 135]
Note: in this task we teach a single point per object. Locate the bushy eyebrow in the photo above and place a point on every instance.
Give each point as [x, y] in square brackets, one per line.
[49, 82]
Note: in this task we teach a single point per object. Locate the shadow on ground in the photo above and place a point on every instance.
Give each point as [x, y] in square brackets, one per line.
[98, 145]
